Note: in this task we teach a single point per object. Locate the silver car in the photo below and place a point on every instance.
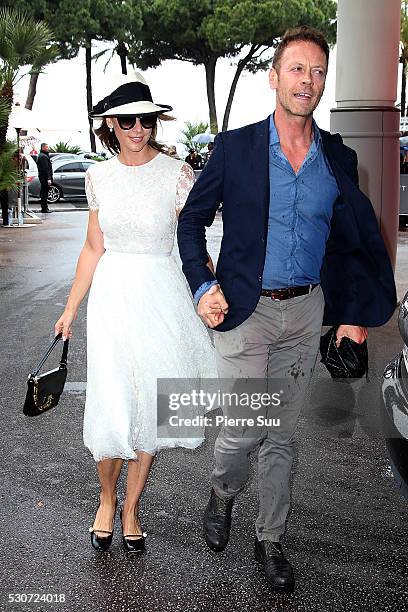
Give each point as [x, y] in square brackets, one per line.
[395, 405]
[68, 182]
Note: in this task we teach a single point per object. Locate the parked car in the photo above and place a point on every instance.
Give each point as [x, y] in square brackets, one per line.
[69, 179]
[32, 170]
[92, 155]
[395, 405]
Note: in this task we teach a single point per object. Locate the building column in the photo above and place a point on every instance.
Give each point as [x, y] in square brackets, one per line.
[368, 35]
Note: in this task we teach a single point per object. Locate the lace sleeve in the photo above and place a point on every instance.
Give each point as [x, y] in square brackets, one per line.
[184, 184]
[90, 194]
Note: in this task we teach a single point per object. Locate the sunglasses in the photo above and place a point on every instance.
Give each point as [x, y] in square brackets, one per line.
[147, 121]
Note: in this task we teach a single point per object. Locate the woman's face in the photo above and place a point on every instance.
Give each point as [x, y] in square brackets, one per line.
[133, 140]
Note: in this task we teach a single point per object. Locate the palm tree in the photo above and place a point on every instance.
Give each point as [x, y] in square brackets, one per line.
[65, 147]
[190, 130]
[22, 40]
[46, 56]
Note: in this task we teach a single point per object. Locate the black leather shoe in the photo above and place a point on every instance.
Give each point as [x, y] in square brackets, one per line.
[277, 569]
[136, 544]
[47, 211]
[217, 522]
[102, 543]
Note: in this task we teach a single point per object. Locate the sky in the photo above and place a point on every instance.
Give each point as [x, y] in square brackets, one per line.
[61, 96]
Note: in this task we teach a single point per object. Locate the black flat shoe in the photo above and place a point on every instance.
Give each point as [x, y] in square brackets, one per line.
[102, 543]
[276, 567]
[217, 522]
[131, 545]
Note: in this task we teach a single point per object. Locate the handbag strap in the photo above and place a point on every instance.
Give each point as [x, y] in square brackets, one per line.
[63, 361]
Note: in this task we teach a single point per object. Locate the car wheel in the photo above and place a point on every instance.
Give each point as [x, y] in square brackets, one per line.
[54, 194]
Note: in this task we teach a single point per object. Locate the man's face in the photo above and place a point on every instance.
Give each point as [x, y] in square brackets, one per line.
[300, 78]
[45, 147]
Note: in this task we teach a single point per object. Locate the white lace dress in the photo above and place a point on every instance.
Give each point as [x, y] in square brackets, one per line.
[141, 322]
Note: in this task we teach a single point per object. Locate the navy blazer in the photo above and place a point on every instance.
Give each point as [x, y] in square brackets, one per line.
[356, 276]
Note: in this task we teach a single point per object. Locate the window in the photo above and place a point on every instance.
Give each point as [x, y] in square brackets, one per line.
[86, 165]
[72, 167]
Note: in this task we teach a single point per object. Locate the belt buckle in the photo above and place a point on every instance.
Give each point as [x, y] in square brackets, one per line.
[279, 293]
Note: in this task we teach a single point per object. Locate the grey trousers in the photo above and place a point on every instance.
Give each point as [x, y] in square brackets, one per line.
[279, 343]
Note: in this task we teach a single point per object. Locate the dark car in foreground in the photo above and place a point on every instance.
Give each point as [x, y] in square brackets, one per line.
[395, 405]
[68, 182]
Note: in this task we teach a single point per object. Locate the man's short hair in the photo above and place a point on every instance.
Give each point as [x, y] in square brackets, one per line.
[44, 144]
[300, 34]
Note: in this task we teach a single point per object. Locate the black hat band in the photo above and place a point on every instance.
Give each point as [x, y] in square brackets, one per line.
[125, 94]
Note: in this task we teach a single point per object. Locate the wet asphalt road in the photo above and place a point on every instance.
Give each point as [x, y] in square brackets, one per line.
[348, 530]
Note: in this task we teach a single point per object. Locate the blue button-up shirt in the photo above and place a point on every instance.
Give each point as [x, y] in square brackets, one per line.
[300, 211]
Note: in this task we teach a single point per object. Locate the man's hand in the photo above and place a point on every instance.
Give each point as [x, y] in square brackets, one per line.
[212, 306]
[354, 332]
[49, 182]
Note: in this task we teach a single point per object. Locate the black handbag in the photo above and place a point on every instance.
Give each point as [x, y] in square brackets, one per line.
[44, 390]
[348, 360]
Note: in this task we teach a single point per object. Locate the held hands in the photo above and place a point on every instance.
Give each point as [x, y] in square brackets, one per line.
[63, 325]
[212, 306]
[354, 332]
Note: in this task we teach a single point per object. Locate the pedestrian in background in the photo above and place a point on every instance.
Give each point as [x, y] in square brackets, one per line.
[194, 160]
[44, 175]
[9, 198]
[209, 151]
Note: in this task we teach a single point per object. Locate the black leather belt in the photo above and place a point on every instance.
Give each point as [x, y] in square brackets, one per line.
[286, 293]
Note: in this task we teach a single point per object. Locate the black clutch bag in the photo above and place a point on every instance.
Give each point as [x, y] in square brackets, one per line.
[44, 390]
[348, 360]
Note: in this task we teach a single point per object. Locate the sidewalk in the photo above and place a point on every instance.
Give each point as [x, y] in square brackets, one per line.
[61, 206]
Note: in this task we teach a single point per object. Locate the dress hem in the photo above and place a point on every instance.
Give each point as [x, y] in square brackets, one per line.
[127, 457]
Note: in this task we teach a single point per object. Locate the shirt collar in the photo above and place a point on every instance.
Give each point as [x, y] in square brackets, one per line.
[274, 136]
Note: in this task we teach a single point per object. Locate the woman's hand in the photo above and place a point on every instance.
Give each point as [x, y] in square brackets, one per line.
[63, 325]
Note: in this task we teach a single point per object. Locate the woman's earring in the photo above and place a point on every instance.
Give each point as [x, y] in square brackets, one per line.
[111, 129]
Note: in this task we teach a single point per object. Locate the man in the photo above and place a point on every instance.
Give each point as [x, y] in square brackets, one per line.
[44, 175]
[301, 247]
[194, 160]
[210, 150]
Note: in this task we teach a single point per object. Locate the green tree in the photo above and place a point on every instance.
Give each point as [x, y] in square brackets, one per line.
[243, 30]
[79, 25]
[21, 42]
[65, 147]
[190, 130]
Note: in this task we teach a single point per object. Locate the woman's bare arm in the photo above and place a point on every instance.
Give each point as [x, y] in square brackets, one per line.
[91, 253]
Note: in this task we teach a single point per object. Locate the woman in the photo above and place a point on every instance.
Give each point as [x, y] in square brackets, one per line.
[141, 324]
